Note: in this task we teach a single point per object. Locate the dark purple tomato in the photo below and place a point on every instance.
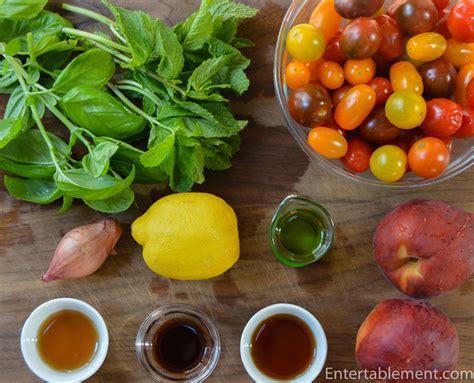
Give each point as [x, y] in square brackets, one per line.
[333, 50]
[416, 16]
[382, 66]
[352, 9]
[361, 38]
[392, 38]
[439, 78]
[377, 129]
[310, 105]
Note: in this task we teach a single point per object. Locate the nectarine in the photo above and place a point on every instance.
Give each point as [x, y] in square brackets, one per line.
[425, 248]
[405, 335]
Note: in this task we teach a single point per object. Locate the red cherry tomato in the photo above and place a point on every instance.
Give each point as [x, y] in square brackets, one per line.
[382, 88]
[443, 118]
[339, 94]
[428, 157]
[358, 155]
[442, 26]
[333, 50]
[441, 4]
[470, 93]
[392, 38]
[449, 142]
[461, 20]
[467, 127]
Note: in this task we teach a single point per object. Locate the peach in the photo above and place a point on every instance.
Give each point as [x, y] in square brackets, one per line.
[425, 248]
[405, 335]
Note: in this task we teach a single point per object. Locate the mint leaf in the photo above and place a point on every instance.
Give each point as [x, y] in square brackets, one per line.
[229, 9]
[197, 29]
[170, 52]
[158, 153]
[202, 77]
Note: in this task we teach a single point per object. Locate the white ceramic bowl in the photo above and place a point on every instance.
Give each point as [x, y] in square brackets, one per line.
[321, 343]
[29, 339]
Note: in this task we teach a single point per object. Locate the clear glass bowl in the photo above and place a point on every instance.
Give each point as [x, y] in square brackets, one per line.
[178, 312]
[462, 155]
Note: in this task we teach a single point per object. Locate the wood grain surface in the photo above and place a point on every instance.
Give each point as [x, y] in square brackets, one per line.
[340, 290]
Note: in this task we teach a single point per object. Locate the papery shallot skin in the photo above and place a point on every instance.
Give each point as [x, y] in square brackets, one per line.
[83, 250]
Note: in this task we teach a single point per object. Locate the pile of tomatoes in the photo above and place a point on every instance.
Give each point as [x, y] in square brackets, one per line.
[384, 89]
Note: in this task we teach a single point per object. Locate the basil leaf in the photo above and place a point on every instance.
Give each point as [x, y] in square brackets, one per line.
[46, 23]
[67, 203]
[158, 154]
[77, 183]
[93, 68]
[10, 128]
[7, 77]
[17, 107]
[21, 9]
[100, 113]
[42, 192]
[197, 29]
[170, 51]
[138, 30]
[116, 204]
[54, 55]
[97, 162]
[13, 47]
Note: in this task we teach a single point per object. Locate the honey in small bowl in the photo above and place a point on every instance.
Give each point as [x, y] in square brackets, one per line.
[67, 340]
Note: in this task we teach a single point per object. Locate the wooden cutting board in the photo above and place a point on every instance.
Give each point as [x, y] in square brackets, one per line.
[340, 290]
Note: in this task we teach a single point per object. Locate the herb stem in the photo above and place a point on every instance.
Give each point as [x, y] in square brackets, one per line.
[124, 60]
[88, 13]
[163, 81]
[45, 136]
[94, 37]
[20, 73]
[143, 92]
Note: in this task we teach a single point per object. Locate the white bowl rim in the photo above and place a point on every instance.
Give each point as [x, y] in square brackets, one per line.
[284, 308]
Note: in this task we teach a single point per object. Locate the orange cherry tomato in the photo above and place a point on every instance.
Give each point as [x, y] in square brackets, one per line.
[339, 94]
[331, 75]
[465, 75]
[459, 53]
[297, 75]
[327, 142]
[312, 67]
[326, 19]
[426, 46]
[470, 93]
[354, 108]
[359, 71]
[428, 157]
[404, 76]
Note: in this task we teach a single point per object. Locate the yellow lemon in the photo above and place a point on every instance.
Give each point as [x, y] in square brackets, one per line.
[188, 236]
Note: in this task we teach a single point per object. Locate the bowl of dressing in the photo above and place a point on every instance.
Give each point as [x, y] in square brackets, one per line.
[64, 341]
[283, 343]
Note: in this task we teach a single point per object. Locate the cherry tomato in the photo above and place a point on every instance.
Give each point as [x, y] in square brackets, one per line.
[461, 20]
[310, 105]
[326, 19]
[441, 5]
[359, 71]
[448, 141]
[382, 66]
[331, 75]
[442, 26]
[470, 93]
[358, 155]
[404, 76]
[416, 16]
[377, 129]
[354, 108]
[305, 43]
[327, 142]
[426, 46]
[388, 163]
[333, 50]
[439, 78]
[467, 127]
[459, 53]
[428, 157]
[382, 88]
[407, 138]
[465, 75]
[392, 38]
[443, 118]
[361, 38]
[339, 94]
[405, 110]
[356, 8]
[338, 129]
[297, 75]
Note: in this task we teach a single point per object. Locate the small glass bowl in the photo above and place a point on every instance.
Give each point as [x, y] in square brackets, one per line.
[148, 329]
[462, 153]
[290, 203]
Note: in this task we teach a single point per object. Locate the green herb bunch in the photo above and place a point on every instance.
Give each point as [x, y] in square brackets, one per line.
[146, 105]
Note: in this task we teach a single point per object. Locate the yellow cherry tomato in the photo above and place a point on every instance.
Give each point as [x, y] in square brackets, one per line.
[459, 53]
[305, 43]
[426, 46]
[405, 110]
[331, 75]
[359, 71]
[327, 142]
[326, 19]
[404, 76]
[355, 107]
[388, 163]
